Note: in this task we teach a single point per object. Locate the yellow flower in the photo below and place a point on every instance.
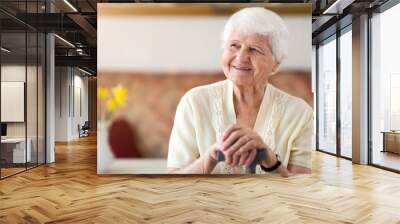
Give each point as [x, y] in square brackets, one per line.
[102, 92]
[120, 94]
[111, 105]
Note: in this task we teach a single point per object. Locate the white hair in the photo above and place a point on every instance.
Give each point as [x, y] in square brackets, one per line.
[261, 21]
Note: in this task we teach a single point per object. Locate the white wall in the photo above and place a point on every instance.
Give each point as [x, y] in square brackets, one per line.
[182, 43]
[67, 80]
[80, 83]
[61, 103]
[33, 126]
[12, 100]
[12, 73]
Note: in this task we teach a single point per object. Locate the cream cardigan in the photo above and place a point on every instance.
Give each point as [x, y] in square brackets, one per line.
[284, 122]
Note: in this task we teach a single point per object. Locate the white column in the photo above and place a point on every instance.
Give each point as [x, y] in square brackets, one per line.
[50, 99]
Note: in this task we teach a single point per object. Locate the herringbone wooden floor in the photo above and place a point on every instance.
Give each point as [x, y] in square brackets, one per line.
[70, 191]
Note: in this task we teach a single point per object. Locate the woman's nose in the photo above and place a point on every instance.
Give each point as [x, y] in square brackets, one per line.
[243, 55]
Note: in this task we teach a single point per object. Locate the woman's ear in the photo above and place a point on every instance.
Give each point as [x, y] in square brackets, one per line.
[275, 67]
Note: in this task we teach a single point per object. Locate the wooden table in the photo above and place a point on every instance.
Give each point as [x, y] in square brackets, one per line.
[391, 141]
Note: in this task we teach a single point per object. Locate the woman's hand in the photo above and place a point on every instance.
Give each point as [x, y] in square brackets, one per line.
[240, 144]
[203, 165]
[212, 153]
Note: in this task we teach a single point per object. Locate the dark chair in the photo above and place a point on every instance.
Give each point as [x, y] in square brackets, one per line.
[84, 130]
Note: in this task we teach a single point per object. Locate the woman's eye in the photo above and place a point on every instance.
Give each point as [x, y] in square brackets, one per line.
[234, 46]
[254, 50]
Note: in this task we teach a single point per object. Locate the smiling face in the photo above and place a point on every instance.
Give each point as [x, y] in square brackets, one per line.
[247, 59]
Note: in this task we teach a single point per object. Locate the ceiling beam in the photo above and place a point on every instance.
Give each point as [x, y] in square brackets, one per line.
[82, 61]
[84, 24]
[49, 22]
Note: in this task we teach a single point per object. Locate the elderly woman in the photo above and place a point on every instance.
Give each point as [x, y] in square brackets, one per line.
[244, 113]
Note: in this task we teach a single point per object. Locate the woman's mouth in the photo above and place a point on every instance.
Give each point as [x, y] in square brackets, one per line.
[241, 68]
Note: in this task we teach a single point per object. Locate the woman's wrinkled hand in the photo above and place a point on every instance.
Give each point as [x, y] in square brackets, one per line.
[212, 153]
[240, 144]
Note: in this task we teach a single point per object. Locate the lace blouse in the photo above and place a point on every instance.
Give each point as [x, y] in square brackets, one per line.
[283, 121]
